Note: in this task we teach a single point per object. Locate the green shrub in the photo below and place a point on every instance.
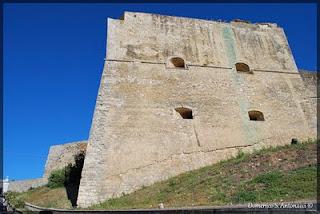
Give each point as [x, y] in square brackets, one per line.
[14, 199]
[57, 178]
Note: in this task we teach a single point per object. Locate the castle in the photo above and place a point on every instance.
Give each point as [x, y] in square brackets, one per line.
[177, 94]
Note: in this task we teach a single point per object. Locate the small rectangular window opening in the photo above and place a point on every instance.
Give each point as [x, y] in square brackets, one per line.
[256, 115]
[185, 113]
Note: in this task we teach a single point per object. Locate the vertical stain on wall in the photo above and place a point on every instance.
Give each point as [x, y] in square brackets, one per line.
[238, 82]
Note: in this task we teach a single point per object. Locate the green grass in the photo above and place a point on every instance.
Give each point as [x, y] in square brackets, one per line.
[286, 173]
[276, 186]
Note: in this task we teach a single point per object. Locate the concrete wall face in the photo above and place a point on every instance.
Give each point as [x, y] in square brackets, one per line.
[137, 137]
[61, 155]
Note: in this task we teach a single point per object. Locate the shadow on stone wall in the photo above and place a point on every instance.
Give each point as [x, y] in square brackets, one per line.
[72, 179]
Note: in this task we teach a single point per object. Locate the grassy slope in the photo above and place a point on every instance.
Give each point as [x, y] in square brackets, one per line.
[41, 196]
[282, 173]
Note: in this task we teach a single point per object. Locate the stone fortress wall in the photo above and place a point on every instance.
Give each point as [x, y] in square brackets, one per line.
[24, 185]
[138, 134]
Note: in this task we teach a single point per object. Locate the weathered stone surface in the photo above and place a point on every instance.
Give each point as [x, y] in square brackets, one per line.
[137, 137]
[310, 79]
[24, 185]
[309, 96]
[61, 155]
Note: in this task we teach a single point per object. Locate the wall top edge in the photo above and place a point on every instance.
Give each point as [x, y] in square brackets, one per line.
[69, 143]
[233, 23]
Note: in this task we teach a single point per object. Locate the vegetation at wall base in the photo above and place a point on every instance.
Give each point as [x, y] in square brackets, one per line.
[283, 173]
[57, 178]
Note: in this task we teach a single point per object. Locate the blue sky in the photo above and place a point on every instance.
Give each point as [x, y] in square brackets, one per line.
[53, 60]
